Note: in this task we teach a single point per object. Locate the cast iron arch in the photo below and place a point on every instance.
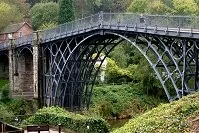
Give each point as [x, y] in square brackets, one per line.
[59, 98]
[4, 53]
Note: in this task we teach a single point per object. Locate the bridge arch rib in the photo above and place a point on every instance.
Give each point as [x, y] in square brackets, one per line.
[73, 71]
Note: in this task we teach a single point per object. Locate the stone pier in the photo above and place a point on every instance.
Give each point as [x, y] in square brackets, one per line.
[23, 70]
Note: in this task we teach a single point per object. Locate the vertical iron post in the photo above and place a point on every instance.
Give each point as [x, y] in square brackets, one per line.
[101, 19]
[59, 128]
[196, 65]
[38, 128]
[184, 66]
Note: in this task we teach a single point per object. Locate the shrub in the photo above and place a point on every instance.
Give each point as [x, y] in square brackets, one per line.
[6, 114]
[115, 100]
[17, 106]
[5, 93]
[3, 82]
[76, 122]
[173, 117]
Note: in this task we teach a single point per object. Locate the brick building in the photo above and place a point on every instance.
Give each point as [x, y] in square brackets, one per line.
[15, 30]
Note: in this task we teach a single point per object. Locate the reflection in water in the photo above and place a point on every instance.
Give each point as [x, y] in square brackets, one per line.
[117, 123]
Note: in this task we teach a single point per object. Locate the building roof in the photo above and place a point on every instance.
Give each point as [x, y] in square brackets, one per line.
[14, 27]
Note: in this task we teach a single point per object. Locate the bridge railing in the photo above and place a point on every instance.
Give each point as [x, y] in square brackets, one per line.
[71, 27]
[112, 20]
[24, 40]
[130, 19]
[173, 21]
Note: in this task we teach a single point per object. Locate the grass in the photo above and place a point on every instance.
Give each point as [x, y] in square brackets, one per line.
[173, 117]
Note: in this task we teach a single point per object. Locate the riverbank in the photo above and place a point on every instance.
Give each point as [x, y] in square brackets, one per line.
[178, 116]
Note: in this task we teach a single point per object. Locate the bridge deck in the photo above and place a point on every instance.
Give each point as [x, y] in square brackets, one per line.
[178, 26]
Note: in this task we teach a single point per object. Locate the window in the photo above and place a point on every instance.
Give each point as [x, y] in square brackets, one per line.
[20, 34]
[9, 36]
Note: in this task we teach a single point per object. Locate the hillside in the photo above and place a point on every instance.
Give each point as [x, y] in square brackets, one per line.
[178, 116]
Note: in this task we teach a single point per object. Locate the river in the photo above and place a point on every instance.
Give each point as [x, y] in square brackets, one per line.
[117, 123]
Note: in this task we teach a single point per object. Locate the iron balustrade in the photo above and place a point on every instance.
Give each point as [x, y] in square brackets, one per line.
[114, 20]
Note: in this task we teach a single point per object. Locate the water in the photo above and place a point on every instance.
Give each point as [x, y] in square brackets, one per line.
[117, 123]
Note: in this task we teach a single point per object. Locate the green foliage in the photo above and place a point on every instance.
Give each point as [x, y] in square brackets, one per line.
[107, 5]
[138, 69]
[44, 13]
[158, 7]
[46, 26]
[113, 101]
[8, 13]
[18, 106]
[173, 117]
[5, 113]
[21, 6]
[76, 122]
[185, 7]
[66, 11]
[149, 7]
[116, 74]
[5, 93]
[182, 7]
[12, 108]
[144, 75]
[138, 6]
[120, 55]
[3, 82]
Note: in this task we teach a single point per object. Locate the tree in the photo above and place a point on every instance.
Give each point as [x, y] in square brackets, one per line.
[21, 5]
[157, 7]
[82, 8]
[185, 7]
[49, 25]
[66, 11]
[138, 6]
[114, 73]
[120, 56]
[43, 13]
[8, 13]
[107, 5]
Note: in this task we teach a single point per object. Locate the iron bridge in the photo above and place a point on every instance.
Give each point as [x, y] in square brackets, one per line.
[67, 66]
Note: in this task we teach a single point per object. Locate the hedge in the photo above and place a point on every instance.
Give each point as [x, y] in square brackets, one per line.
[76, 122]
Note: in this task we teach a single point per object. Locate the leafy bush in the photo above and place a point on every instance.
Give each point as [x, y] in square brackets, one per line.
[5, 113]
[113, 100]
[76, 122]
[17, 106]
[173, 117]
[116, 74]
[3, 83]
[5, 93]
